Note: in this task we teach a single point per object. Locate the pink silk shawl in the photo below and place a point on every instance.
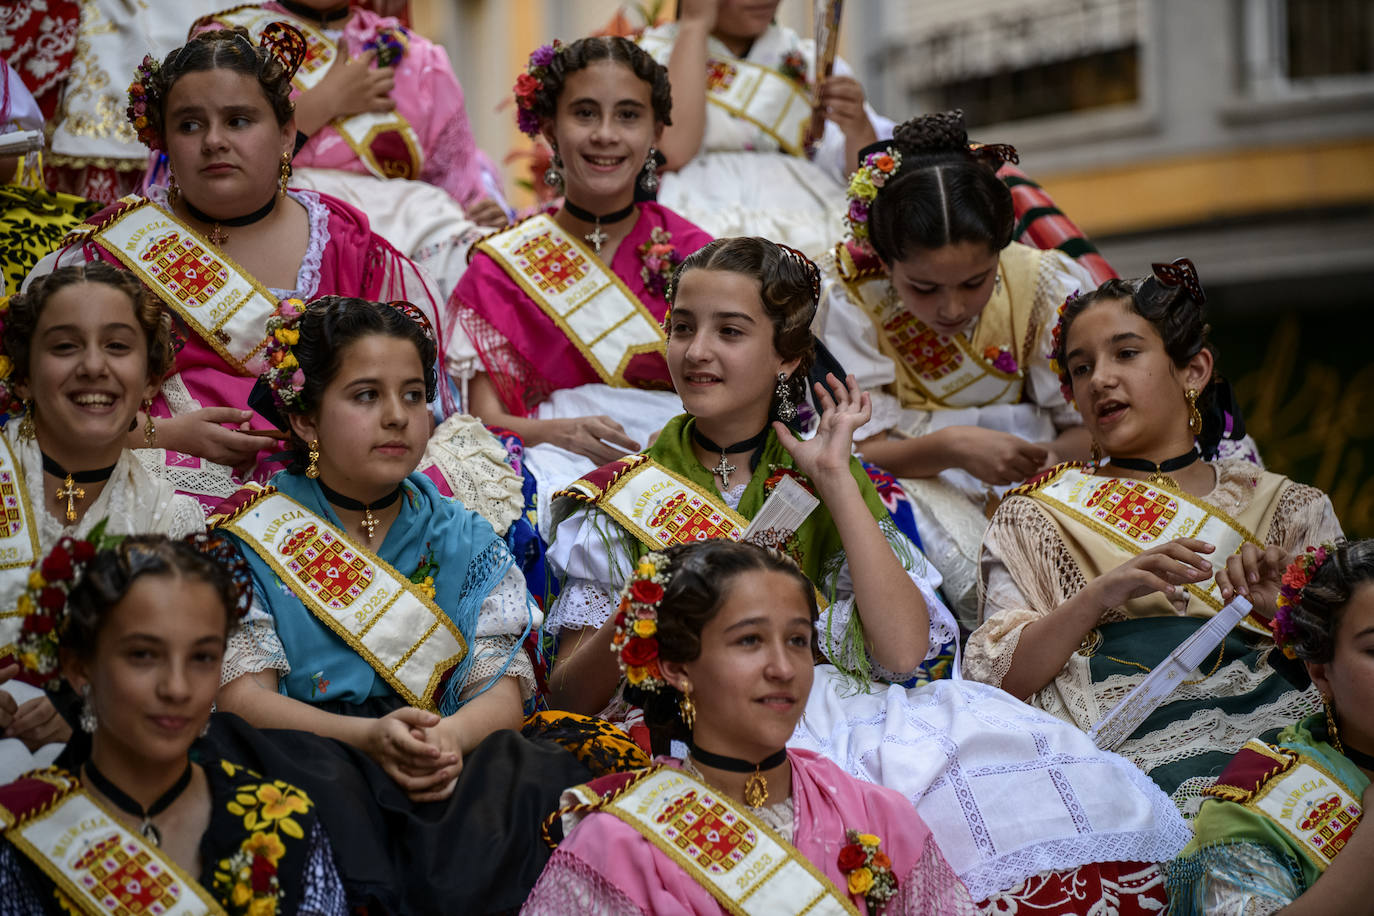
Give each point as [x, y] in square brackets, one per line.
[525, 354]
[626, 867]
[427, 94]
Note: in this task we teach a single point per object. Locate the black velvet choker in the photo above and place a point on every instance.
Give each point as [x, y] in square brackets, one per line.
[347, 502]
[596, 237]
[1159, 473]
[1359, 758]
[217, 233]
[323, 17]
[756, 787]
[124, 803]
[69, 489]
[724, 468]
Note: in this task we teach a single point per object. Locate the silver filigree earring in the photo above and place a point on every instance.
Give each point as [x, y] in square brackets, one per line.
[786, 410]
[648, 179]
[553, 176]
[87, 719]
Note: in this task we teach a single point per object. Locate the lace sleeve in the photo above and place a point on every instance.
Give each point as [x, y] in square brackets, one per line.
[508, 613]
[1233, 879]
[254, 646]
[581, 604]
[1026, 571]
[570, 885]
[322, 890]
[932, 887]
[186, 517]
[20, 887]
[1304, 517]
[589, 550]
[473, 462]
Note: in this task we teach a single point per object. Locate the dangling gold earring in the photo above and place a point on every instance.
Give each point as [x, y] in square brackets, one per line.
[285, 174]
[1095, 451]
[312, 470]
[687, 708]
[1333, 737]
[173, 189]
[149, 428]
[26, 431]
[1194, 415]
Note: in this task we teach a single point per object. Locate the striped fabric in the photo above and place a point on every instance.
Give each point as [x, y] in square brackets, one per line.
[1040, 224]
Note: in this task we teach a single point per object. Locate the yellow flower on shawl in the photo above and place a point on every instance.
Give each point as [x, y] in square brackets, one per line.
[263, 906]
[277, 804]
[869, 839]
[267, 845]
[242, 893]
[860, 880]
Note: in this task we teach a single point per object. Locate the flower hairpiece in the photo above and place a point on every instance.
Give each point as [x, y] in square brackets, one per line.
[45, 598]
[142, 95]
[867, 869]
[635, 642]
[283, 374]
[660, 259]
[222, 552]
[528, 84]
[1065, 388]
[413, 312]
[1295, 578]
[876, 170]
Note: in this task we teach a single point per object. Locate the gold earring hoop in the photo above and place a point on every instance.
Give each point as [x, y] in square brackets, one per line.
[1333, 736]
[687, 708]
[1194, 415]
[285, 174]
[149, 427]
[312, 469]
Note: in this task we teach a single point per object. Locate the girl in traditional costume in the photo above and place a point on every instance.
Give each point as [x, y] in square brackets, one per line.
[946, 322]
[387, 616]
[565, 309]
[1093, 574]
[739, 343]
[740, 159]
[220, 108]
[381, 123]
[130, 813]
[716, 639]
[82, 349]
[1282, 828]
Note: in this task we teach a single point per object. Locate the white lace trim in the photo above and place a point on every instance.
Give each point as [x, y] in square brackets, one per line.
[581, 604]
[473, 462]
[254, 646]
[205, 478]
[178, 396]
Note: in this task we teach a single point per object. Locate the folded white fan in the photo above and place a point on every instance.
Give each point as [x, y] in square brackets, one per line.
[1145, 697]
[782, 513]
[20, 142]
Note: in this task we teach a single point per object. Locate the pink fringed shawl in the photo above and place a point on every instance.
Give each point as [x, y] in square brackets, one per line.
[606, 866]
[525, 354]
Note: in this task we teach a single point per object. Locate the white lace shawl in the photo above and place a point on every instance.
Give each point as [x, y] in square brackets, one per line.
[506, 611]
[845, 328]
[597, 566]
[473, 463]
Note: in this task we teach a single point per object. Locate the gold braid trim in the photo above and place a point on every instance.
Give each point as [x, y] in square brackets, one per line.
[60, 779]
[259, 493]
[1284, 760]
[1044, 479]
[628, 463]
[590, 807]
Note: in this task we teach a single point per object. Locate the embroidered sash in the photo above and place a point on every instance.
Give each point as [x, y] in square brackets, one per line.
[385, 142]
[749, 869]
[760, 95]
[1300, 796]
[1132, 516]
[218, 299]
[18, 544]
[597, 312]
[98, 865]
[406, 638]
[656, 505]
[934, 371]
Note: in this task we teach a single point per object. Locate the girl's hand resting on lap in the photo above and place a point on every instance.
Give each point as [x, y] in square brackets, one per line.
[401, 744]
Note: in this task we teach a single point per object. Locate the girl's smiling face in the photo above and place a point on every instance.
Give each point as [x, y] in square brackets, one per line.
[602, 131]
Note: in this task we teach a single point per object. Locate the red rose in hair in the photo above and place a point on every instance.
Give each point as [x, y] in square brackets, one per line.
[526, 85]
[646, 591]
[38, 623]
[263, 873]
[52, 599]
[639, 651]
[851, 857]
[83, 551]
[57, 566]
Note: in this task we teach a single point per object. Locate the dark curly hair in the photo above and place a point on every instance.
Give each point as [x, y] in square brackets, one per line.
[220, 49]
[700, 575]
[1178, 318]
[112, 572]
[578, 55]
[27, 307]
[943, 193]
[789, 289]
[1316, 617]
[328, 326]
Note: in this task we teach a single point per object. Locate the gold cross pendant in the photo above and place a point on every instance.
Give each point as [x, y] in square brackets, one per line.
[218, 236]
[71, 493]
[723, 470]
[369, 522]
[597, 238]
